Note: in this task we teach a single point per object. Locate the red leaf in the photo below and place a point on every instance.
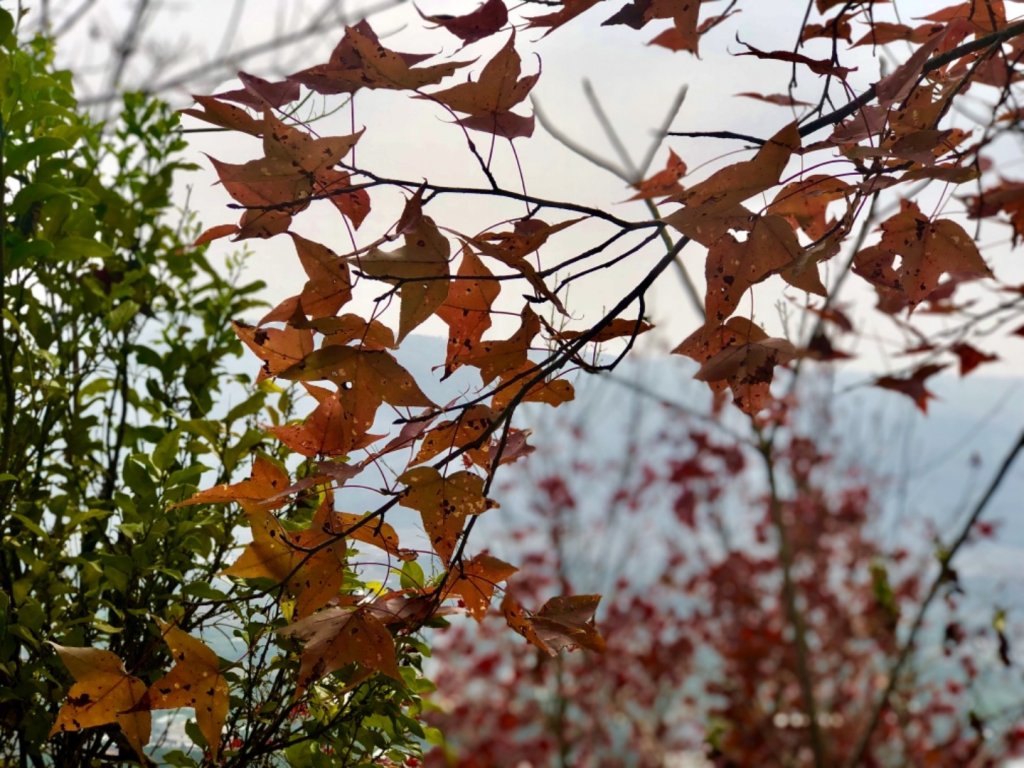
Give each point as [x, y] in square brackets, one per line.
[483, 22]
[913, 385]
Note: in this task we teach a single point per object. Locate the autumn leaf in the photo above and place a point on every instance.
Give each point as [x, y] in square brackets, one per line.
[927, 250]
[267, 481]
[360, 60]
[615, 329]
[475, 581]
[488, 101]
[569, 10]
[103, 693]
[328, 288]
[194, 681]
[733, 266]
[804, 203]
[782, 99]
[419, 268]
[512, 387]
[309, 564]
[818, 66]
[685, 16]
[224, 115]
[260, 94]
[467, 308]
[338, 636]
[444, 503]
[367, 529]
[912, 386]
[971, 357]
[562, 623]
[470, 425]
[330, 430]
[495, 358]
[737, 354]
[279, 348]
[489, 18]
[665, 182]
[713, 206]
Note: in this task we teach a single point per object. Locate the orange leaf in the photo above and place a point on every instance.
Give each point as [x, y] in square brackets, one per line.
[927, 249]
[470, 425]
[337, 636]
[467, 308]
[194, 681]
[553, 392]
[495, 358]
[279, 349]
[419, 268]
[617, 328]
[665, 182]
[444, 503]
[713, 206]
[267, 481]
[475, 581]
[103, 693]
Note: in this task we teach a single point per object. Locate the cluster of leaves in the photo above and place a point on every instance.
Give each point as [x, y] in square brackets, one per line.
[117, 396]
[698, 662]
[778, 214]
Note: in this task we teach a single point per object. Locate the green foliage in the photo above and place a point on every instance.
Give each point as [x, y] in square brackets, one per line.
[117, 395]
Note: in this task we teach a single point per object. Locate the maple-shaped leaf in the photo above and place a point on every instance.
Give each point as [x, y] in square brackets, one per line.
[912, 386]
[512, 248]
[804, 202]
[470, 425]
[488, 101]
[971, 357]
[338, 636]
[444, 502]
[224, 115]
[471, 27]
[467, 308]
[368, 334]
[261, 94]
[713, 207]
[313, 578]
[475, 581]
[194, 681]
[419, 268]
[733, 346]
[365, 528]
[103, 693]
[330, 430]
[512, 387]
[328, 288]
[927, 250]
[267, 481]
[1008, 197]
[665, 182]
[360, 60]
[733, 266]
[684, 35]
[494, 358]
[563, 623]
[278, 348]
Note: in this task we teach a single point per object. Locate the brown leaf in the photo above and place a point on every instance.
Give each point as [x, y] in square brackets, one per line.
[451, 435]
[566, 622]
[782, 99]
[493, 95]
[444, 502]
[361, 61]
[336, 637]
[489, 18]
[712, 207]
[419, 268]
[971, 357]
[665, 182]
[266, 481]
[467, 308]
[194, 681]
[913, 385]
[475, 581]
[103, 693]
